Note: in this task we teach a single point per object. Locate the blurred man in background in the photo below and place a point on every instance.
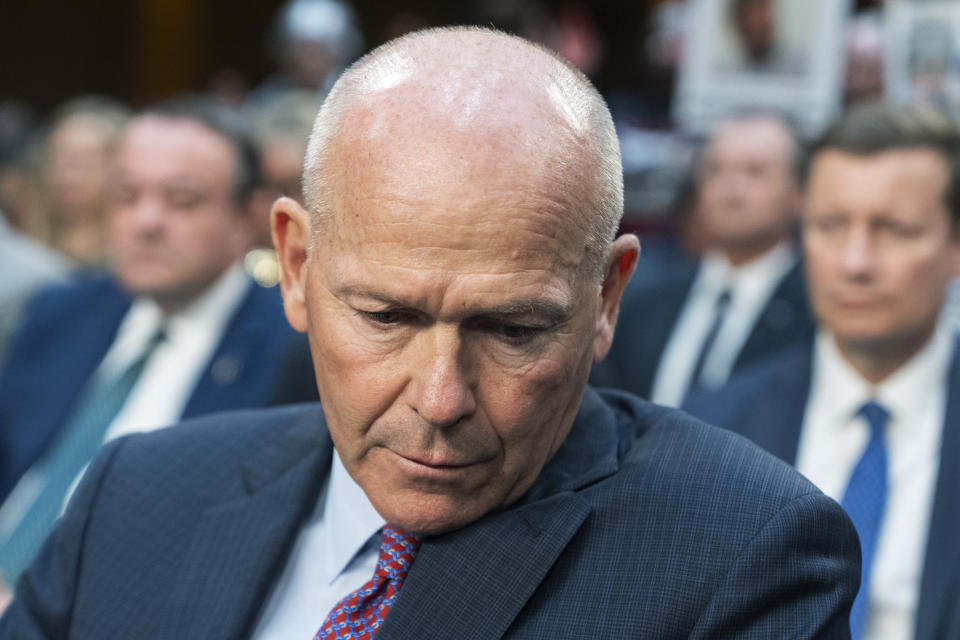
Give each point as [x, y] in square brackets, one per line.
[312, 41]
[176, 330]
[281, 129]
[73, 176]
[25, 263]
[870, 412]
[745, 298]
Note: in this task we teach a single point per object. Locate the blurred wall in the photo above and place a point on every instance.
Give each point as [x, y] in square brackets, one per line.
[139, 50]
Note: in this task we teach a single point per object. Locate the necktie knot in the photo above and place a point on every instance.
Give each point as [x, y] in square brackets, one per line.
[877, 416]
[397, 551]
[723, 300]
[360, 614]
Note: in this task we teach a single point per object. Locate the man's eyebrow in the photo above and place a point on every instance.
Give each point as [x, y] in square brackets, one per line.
[554, 311]
[371, 294]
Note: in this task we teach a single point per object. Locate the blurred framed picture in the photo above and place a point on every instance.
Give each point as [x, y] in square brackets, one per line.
[781, 54]
[922, 52]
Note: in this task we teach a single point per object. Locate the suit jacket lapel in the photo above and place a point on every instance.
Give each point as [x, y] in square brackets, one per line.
[239, 547]
[230, 380]
[942, 564]
[473, 582]
[785, 320]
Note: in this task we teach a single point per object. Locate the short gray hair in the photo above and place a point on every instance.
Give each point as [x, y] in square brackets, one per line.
[603, 194]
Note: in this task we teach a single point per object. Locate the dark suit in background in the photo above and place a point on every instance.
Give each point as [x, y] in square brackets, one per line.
[645, 523]
[649, 311]
[70, 328]
[766, 404]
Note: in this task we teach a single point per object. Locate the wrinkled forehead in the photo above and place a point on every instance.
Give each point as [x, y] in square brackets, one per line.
[452, 188]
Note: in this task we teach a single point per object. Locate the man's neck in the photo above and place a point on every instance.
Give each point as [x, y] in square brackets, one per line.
[740, 255]
[876, 361]
[178, 301]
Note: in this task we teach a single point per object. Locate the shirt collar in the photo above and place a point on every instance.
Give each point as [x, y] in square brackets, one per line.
[350, 520]
[200, 321]
[751, 278]
[838, 384]
[209, 312]
[844, 390]
[911, 384]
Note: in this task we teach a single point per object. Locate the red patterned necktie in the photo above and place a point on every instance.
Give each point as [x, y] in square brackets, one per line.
[360, 614]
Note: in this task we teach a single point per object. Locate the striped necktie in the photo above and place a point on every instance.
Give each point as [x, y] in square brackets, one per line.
[864, 500]
[75, 445]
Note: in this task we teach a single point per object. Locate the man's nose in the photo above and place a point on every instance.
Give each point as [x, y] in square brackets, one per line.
[147, 214]
[441, 388]
[858, 252]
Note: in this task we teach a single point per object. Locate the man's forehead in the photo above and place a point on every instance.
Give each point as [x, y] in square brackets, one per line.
[759, 134]
[419, 152]
[178, 152]
[454, 197]
[176, 136]
[915, 167]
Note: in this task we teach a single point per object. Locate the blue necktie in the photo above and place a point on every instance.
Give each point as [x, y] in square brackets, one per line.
[864, 501]
[75, 445]
[719, 313]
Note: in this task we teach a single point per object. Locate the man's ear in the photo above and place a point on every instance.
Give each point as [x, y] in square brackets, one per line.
[620, 266]
[290, 227]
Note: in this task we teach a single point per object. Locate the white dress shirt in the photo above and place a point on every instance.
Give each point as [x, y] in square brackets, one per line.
[335, 553]
[170, 376]
[833, 438]
[751, 286]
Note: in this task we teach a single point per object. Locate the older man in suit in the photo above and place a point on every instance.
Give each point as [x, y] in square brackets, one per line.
[870, 412]
[456, 271]
[177, 328]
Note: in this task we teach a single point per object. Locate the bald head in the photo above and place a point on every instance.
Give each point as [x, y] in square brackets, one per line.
[471, 98]
[464, 276]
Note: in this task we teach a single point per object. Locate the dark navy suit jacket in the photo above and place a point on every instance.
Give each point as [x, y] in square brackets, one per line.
[649, 311]
[766, 403]
[69, 329]
[646, 523]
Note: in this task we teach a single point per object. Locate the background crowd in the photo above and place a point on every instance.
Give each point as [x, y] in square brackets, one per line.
[86, 187]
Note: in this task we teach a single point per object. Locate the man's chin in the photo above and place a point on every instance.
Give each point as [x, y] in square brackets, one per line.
[430, 515]
[152, 289]
[145, 279]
